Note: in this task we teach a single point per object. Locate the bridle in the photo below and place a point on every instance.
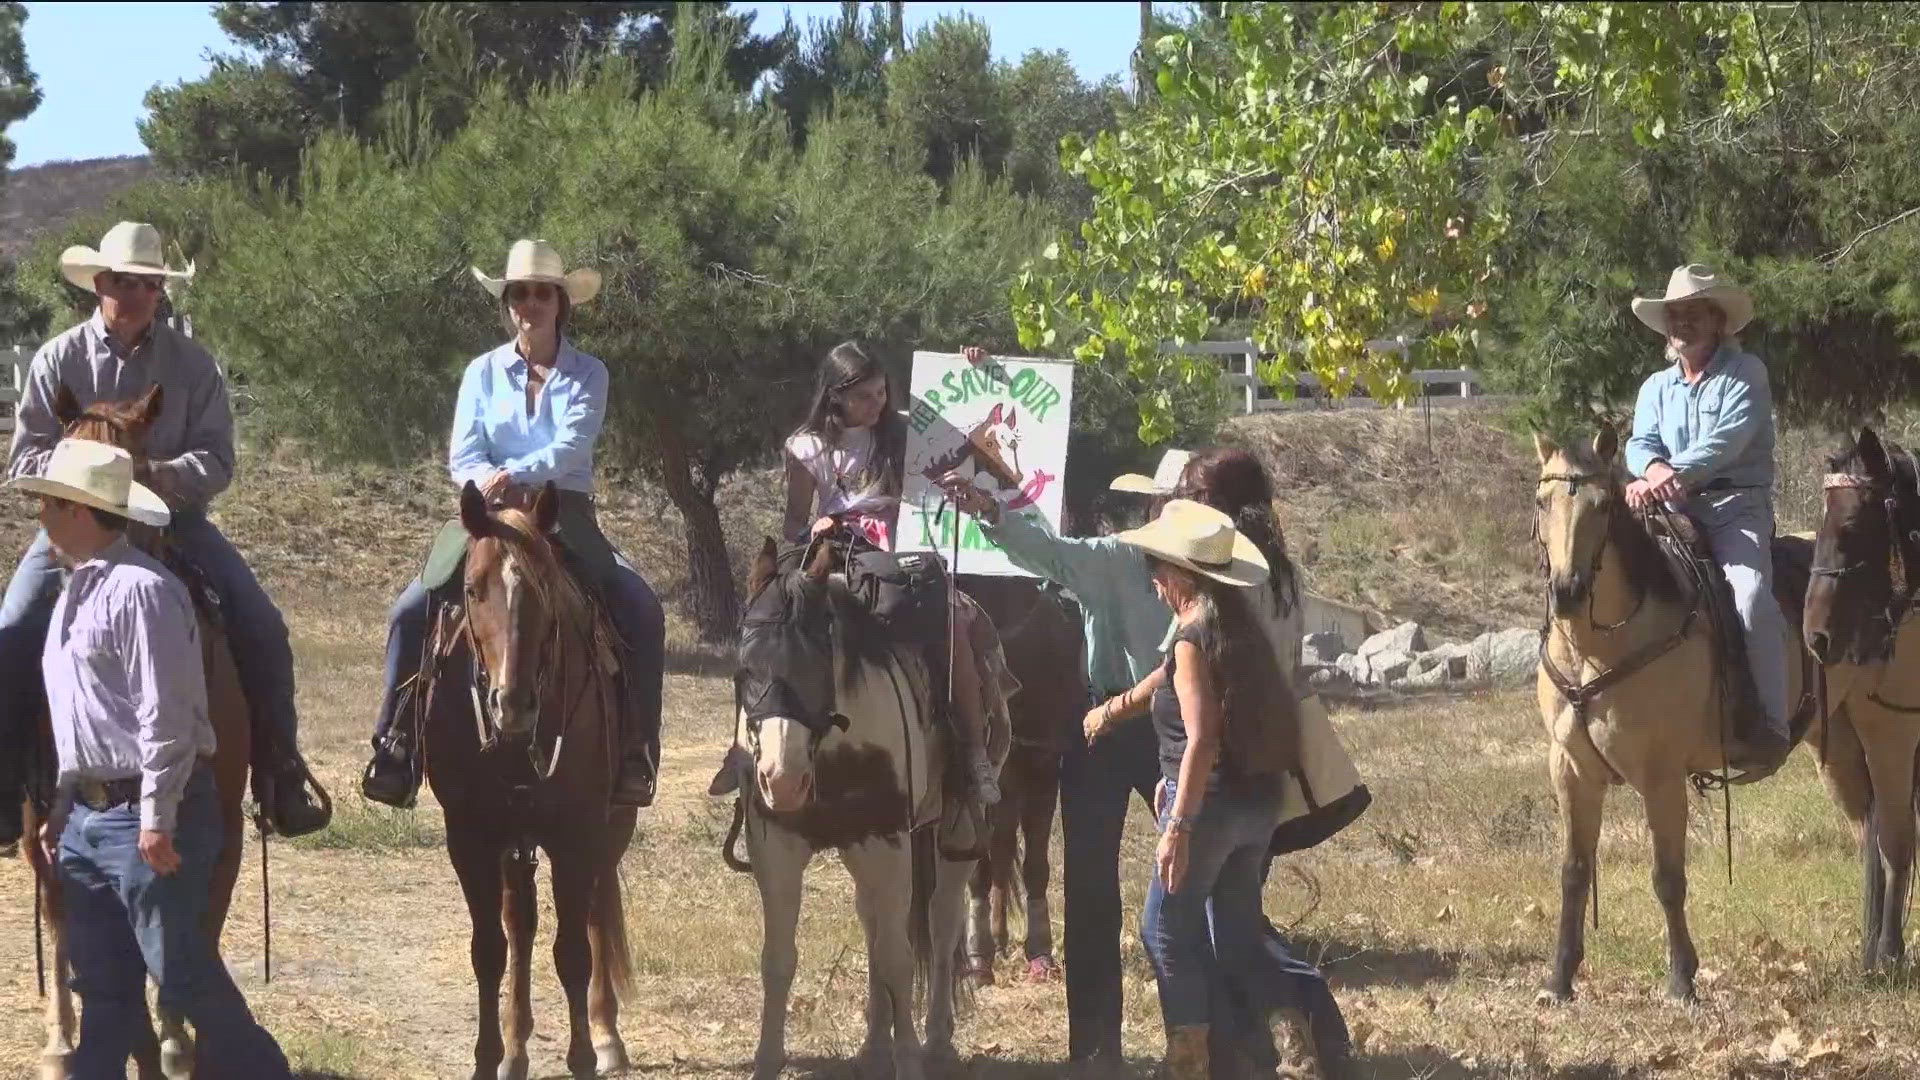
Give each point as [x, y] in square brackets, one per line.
[1573, 482]
[759, 697]
[1903, 553]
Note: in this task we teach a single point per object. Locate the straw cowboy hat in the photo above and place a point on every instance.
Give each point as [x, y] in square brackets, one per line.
[1696, 281]
[1203, 540]
[131, 247]
[1164, 481]
[97, 475]
[536, 260]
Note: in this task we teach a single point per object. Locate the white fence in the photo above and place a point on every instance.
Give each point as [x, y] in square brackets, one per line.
[1451, 386]
[15, 359]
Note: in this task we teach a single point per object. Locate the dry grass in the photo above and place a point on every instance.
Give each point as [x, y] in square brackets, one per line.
[1433, 915]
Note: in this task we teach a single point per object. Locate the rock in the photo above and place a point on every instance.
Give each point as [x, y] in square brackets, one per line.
[1513, 655]
[1325, 647]
[1326, 679]
[1356, 668]
[1427, 671]
[1406, 638]
[1387, 666]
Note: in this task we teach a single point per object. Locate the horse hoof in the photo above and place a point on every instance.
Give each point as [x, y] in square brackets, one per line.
[514, 1068]
[979, 973]
[768, 1070]
[56, 1066]
[1550, 996]
[1682, 994]
[610, 1055]
[1042, 969]
[176, 1060]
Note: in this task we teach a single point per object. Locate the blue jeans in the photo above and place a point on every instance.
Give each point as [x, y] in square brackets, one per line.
[1739, 527]
[1096, 783]
[24, 616]
[125, 922]
[1274, 978]
[1226, 856]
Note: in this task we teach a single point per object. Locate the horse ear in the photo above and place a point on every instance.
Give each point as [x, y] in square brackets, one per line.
[765, 566]
[546, 508]
[994, 416]
[1873, 454]
[1544, 446]
[473, 511]
[821, 566]
[1012, 415]
[1606, 442]
[147, 409]
[66, 407]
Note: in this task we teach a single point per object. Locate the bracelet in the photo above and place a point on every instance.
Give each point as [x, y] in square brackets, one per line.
[1178, 824]
[1106, 713]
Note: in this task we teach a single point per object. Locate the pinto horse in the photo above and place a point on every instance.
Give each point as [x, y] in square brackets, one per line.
[520, 751]
[1858, 623]
[835, 748]
[170, 1054]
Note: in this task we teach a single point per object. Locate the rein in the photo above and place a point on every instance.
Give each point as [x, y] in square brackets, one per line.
[1903, 556]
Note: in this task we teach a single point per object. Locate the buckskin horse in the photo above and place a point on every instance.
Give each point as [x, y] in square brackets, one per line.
[1041, 639]
[1866, 572]
[1627, 686]
[520, 750]
[835, 748]
[170, 1054]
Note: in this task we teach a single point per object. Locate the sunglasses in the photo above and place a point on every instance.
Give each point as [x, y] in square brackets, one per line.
[537, 291]
[119, 282]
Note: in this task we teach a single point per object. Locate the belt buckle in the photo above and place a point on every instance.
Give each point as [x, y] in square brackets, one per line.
[93, 793]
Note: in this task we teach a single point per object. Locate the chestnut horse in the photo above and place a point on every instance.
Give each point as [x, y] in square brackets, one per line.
[1041, 639]
[1858, 624]
[520, 751]
[125, 424]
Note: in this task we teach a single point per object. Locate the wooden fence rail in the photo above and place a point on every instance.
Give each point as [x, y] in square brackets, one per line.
[1450, 386]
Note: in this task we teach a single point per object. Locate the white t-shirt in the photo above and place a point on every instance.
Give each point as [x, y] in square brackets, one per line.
[848, 478]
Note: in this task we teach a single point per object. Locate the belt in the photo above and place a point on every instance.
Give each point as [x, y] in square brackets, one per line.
[99, 795]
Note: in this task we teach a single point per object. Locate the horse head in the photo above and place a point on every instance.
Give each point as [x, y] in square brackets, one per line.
[118, 423]
[518, 597]
[1867, 534]
[785, 685]
[1577, 501]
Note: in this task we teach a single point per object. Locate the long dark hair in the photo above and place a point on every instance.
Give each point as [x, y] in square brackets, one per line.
[1257, 703]
[1233, 482]
[848, 365]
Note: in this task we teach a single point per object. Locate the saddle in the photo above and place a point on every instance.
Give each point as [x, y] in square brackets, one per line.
[1690, 557]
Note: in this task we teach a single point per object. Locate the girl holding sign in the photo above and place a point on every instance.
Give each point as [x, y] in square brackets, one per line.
[844, 475]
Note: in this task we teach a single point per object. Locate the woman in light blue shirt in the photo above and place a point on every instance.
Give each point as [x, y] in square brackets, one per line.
[528, 413]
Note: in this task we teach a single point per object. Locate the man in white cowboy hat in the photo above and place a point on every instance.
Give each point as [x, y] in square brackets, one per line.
[135, 825]
[1703, 442]
[117, 355]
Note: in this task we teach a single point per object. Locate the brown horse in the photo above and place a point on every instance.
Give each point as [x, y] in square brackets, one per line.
[1625, 687]
[125, 424]
[1041, 639]
[1866, 572]
[520, 751]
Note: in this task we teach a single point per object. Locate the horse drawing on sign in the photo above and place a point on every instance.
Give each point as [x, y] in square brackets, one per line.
[835, 747]
[990, 448]
[171, 1052]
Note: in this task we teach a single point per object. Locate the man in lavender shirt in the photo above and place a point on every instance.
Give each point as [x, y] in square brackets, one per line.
[135, 825]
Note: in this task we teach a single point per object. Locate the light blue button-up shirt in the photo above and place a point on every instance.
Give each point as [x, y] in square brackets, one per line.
[493, 430]
[1719, 428]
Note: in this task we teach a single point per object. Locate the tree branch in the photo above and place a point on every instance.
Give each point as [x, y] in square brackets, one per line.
[1837, 254]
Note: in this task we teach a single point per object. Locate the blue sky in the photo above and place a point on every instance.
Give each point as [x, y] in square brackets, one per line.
[96, 61]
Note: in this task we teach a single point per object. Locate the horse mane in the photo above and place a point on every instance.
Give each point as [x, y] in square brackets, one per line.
[858, 636]
[1640, 554]
[559, 592]
[1848, 459]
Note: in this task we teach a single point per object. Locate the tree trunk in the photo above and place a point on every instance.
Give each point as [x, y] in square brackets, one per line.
[897, 22]
[1141, 85]
[716, 606]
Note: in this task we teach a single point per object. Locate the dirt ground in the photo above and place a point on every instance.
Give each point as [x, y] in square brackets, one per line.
[1432, 915]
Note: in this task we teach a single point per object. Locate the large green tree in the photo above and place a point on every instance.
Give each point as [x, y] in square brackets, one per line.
[19, 96]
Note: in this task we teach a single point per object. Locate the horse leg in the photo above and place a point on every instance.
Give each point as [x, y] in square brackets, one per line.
[946, 923]
[519, 919]
[882, 883]
[576, 869]
[607, 932]
[1581, 799]
[980, 937]
[1873, 892]
[1666, 804]
[779, 861]
[62, 1026]
[1037, 828]
[1843, 768]
[476, 861]
[1890, 750]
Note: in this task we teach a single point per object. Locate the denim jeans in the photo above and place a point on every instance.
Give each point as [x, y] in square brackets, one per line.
[1226, 855]
[1273, 978]
[1096, 783]
[24, 616]
[1739, 528]
[125, 922]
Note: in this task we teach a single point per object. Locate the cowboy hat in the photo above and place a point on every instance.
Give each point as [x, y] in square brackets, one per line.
[1696, 281]
[536, 260]
[97, 475]
[1164, 481]
[131, 247]
[1203, 540]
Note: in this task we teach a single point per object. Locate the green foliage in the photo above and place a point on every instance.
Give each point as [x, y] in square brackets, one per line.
[19, 90]
[1047, 102]
[946, 90]
[840, 61]
[240, 116]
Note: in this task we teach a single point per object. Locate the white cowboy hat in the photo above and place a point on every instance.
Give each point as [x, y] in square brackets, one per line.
[1203, 540]
[1164, 481]
[131, 247]
[97, 475]
[536, 260]
[1696, 281]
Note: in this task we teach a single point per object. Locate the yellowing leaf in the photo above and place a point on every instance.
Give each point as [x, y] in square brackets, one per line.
[1425, 303]
[1386, 249]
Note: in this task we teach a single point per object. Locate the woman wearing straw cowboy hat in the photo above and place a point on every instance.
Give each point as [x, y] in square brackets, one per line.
[530, 412]
[135, 828]
[1703, 443]
[117, 355]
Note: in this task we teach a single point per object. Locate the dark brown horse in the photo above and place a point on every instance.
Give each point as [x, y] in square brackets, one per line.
[125, 424]
[1041, 638]
[520, 752]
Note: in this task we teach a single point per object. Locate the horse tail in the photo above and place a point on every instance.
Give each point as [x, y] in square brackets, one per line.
[610, 919]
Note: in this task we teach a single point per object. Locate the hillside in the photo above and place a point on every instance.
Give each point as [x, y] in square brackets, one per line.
[39, 198]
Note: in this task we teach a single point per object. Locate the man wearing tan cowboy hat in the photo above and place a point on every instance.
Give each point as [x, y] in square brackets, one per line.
[1703, 443]
[134, 828]
[117, 355]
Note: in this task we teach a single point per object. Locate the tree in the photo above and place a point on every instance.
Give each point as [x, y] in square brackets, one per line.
[1325, 182]
[1049, 102]
[836, 63]
[947, 91]
[19, 90]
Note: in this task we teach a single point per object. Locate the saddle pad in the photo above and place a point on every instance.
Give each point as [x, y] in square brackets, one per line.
[444, 557]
